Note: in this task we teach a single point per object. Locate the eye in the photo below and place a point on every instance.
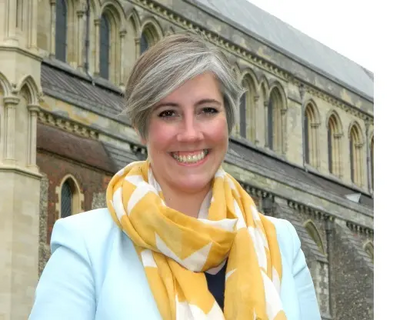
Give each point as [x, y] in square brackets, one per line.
[209, 110]
[167, 114]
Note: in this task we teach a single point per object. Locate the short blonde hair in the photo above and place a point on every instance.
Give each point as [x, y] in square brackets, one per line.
[170, 63]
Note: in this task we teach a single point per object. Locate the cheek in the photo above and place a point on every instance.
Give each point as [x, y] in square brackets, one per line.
[159, 136]
[218, 131]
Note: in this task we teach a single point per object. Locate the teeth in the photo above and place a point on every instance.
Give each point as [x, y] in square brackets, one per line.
[190, 158]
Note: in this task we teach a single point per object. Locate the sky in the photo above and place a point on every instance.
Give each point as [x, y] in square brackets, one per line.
[346, 26]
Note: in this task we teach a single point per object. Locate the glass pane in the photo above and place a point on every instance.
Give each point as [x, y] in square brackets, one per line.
[352, 164]
[66, 200]
[144, 44]
[330, 139]
[61, 30]
[243, 115]
[104, 47]
[271, 123]
[306, 139]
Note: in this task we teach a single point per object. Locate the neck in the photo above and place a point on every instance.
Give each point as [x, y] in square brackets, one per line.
[187, 203]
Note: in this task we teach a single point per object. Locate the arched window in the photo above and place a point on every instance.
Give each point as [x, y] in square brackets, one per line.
[355, 155]
[311, 125]
[149, 37]
[242, 115]
[104, 47]
[275, 121]
[334, 140]
[371, 150]
[61, 30]
[315, 235]
[70, 198]
[369, 249]
[248, 110]
[66, 199]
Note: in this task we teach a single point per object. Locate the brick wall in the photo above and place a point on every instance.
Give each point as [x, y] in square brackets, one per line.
[91, 181]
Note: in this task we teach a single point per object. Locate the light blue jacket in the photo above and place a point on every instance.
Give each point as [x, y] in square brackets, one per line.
[95, 273]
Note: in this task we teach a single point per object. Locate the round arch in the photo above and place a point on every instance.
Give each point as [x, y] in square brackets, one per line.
[76, 197]
[354, 125]
[312, 230]
[152, 26]
[114, 10]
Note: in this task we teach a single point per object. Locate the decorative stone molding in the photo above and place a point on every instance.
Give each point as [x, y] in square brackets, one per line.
[316, 214]
[67, 125]
[360, 229]
[244, 54]
[257, 192]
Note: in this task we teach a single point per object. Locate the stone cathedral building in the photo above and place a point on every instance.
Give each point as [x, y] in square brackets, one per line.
[303, 148]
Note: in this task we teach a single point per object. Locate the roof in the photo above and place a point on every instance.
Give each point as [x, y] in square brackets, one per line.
[121, 157]
[77, 90]
[266, 165]
[74, 147]
[293, 42]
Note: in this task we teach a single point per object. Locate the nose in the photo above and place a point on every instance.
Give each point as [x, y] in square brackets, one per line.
[190, 130]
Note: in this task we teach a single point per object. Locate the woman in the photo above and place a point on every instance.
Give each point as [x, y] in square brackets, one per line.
[180, 238]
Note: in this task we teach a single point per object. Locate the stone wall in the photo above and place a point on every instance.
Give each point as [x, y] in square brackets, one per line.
[353, 277]
[44, 248]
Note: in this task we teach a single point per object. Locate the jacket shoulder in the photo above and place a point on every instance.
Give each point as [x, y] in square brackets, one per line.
[89, 227]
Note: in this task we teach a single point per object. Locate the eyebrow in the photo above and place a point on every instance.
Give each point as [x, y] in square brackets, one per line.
[198, 103]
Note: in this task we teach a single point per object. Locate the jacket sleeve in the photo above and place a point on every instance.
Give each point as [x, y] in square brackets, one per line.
[66, 286]
[308, 303]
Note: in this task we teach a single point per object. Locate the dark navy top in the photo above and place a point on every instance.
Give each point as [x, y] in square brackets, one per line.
[216, 285]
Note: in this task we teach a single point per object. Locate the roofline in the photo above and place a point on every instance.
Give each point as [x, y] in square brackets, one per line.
[284, 52]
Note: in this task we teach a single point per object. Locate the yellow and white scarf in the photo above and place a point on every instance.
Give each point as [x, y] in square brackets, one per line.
[176, 249]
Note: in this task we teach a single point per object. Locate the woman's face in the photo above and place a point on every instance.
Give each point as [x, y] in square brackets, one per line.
[188, 135]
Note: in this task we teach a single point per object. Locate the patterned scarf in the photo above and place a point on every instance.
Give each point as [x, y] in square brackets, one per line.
[176, 249]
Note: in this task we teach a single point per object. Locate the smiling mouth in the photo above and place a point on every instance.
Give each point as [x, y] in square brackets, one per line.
[190, 157]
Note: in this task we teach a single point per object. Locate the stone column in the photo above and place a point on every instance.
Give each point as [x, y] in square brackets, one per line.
[137, 48]
[32, 135]
[282, 143]
[10, 104]
[122, 34]
[359, 164]
[52, 28]
[315, 143]
[81, 40]
[9, 15]
[368, 157]
[337, 152]
[254, 121]
[96, 44]
[266, 124]
[32, 42]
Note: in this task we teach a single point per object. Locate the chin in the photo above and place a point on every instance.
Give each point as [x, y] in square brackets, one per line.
[193, 184]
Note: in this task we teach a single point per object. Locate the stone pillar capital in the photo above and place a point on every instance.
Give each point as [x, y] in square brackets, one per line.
[33, 108]
[11, 100]
[80, 13]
